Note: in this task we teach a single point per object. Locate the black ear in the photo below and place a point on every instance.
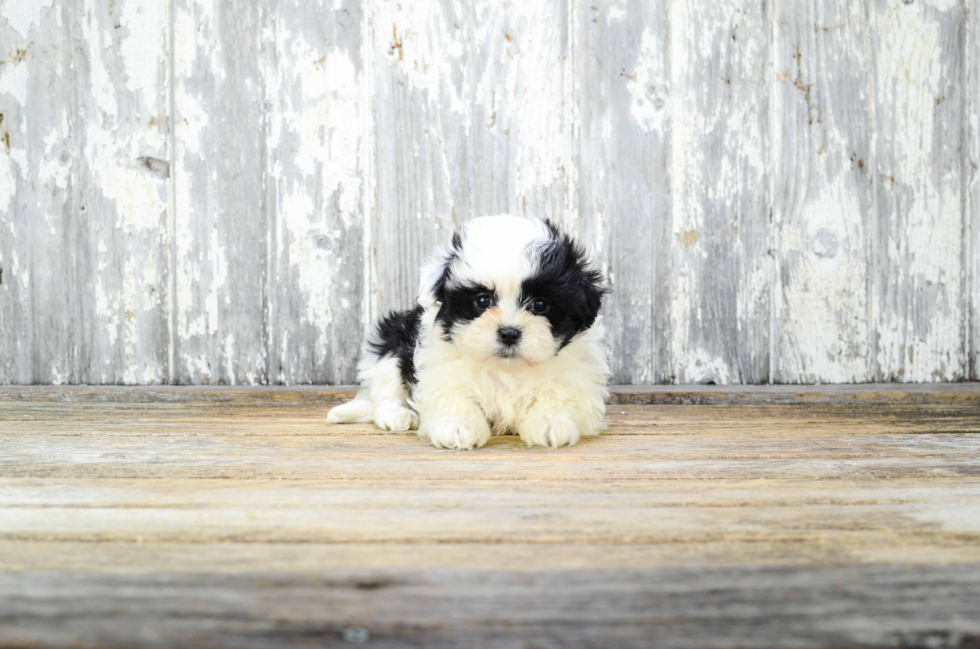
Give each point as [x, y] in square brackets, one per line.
[588, 279]
[593, 289]
[555, 231]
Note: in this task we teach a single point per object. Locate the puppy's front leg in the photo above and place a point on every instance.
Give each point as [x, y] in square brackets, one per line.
[453, 421]
[545, 425]
[555, 422]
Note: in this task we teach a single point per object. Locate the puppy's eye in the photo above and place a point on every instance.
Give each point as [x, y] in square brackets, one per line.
[483, 302]
[539, 306]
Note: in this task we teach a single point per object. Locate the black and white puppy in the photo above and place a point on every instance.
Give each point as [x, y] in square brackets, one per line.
[505, 339]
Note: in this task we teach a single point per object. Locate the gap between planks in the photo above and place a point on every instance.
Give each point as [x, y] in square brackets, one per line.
[709, 395]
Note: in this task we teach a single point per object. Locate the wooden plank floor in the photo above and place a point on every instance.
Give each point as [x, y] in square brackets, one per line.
[801, 517]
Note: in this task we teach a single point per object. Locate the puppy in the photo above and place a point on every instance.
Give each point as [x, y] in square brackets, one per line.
[505, 339]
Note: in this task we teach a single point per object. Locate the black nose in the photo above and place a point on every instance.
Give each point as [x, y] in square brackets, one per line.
[508, 336]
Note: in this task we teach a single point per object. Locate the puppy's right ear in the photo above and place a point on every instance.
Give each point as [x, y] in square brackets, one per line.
[435, 273]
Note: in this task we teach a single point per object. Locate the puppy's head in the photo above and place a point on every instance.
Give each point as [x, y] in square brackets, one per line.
[511, 289]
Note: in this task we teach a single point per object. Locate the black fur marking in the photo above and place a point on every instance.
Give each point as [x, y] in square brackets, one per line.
[397, 335]
[572, 289]
[458, 306]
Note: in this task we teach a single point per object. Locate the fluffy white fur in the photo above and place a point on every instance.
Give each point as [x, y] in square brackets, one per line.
[465, 391]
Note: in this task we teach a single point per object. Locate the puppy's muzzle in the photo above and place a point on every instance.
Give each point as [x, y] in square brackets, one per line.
[509, 336]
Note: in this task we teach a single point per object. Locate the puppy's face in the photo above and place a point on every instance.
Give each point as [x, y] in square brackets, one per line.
[511, 290]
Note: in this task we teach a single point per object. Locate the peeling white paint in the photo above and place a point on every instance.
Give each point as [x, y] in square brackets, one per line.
[650, 107]
[325, 109]
[424, 45]
[102, 87]
[719, 174]
[14, 81]
[920, 330]
[19, 272]
[943, 5]
[315, 268]
[59, 376]
[701, 367]
[484, 105]
[121, 182]
[826, 296]
[8, 185]
[189, 44]
[53, 169]
[821, 203]
[198, 367]
[616, 11]
[22, 15]
[228, 348]
[142, 44]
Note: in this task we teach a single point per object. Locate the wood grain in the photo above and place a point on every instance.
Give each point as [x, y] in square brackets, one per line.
[822, 93]
[971, 296]
[319, 118]
[722, 277]
[231, 517]
[38, 223]
[121, 176]
[546, 609]
[221, 267]
[622, 54]
[918, 236]
[448, 608]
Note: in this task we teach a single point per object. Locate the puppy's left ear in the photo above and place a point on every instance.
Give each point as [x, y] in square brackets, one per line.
[435, 273]
[593, 289]
[589, 281]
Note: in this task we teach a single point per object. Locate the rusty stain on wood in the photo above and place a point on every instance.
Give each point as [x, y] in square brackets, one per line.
[6, 135]
[396, 44]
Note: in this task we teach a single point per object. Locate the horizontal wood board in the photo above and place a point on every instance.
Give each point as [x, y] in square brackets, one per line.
[238, 518]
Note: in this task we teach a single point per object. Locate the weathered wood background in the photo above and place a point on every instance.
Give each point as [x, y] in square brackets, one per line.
[208, 191]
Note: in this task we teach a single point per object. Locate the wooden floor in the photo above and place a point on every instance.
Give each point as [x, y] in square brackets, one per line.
[237, 518]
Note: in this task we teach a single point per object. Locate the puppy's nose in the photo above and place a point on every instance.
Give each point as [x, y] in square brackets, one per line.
[508, 336]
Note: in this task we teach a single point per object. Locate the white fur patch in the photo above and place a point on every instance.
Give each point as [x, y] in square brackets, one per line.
[551, 403]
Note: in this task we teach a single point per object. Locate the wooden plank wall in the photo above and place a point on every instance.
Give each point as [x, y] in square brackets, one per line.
[205, 192]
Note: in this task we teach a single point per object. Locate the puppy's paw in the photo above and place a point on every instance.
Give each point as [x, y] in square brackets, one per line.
[393, 416]
[552, 429]
[356, 410]
[460, 434]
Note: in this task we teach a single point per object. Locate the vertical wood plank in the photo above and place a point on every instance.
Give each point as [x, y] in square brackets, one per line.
[972, 179]
[621, 55]
[918, 241]
[221, 219]
[318, 123]
[720, 313]
[122, 169]
[471, 119]
[823, 194]
[37, 249]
